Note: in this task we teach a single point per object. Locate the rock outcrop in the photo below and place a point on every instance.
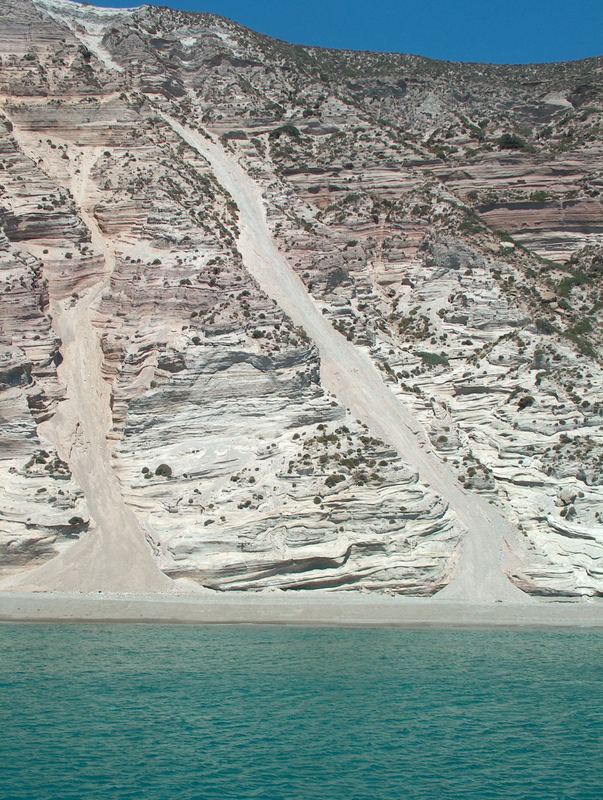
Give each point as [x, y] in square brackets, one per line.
[275, 316]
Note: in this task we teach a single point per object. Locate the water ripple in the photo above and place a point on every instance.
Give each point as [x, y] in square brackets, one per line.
[105, 712]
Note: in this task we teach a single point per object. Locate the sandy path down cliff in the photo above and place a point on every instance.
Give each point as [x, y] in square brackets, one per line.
[116, 556]
[349, 373]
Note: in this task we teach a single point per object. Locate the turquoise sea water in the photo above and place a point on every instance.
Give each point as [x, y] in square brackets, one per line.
[104, 712]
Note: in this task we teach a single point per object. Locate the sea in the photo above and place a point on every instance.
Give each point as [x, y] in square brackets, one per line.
[179, 712]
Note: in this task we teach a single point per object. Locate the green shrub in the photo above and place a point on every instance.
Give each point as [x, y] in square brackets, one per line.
[544, 326]
[433, 359]
[581, 327]
[526, 401]
[471, 223]
[288, 130]
[583, 345]
[509, 141]
[578, 278]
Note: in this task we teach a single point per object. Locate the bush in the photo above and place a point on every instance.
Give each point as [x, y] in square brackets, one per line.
[288, 130]
[578, 278]
[509, 141]
[525, 402]
[544, 326]
[583, 345]
[164, 470]
[471, 222]
[433, 359]
[581, 327]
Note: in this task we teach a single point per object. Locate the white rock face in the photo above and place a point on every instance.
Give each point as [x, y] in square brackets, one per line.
[280, 317]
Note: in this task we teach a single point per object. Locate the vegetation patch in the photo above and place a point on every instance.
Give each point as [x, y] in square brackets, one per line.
[433, 359]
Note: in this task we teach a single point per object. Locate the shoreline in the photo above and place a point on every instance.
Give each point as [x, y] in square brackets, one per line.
[312, 609]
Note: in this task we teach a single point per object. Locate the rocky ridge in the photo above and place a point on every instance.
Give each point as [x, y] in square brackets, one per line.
[437, 224]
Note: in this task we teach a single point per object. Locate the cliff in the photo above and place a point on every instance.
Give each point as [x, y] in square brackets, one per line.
[277, 316]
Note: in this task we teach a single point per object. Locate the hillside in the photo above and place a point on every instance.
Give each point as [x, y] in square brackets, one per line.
[275, 316]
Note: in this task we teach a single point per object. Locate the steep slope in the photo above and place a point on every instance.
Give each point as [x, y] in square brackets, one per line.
[350, 375]
[305, 318]
[78, 430]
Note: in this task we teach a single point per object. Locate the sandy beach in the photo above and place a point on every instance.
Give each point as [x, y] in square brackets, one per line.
[299, 608]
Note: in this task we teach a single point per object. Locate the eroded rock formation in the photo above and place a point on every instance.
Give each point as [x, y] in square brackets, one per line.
[274, 316]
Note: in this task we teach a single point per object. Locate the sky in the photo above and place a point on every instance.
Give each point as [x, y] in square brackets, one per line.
[497, 31]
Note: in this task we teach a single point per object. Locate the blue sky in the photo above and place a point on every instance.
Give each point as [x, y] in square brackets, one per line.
[500, 31]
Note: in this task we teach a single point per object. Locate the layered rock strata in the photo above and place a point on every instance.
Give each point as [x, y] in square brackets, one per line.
[339, 313]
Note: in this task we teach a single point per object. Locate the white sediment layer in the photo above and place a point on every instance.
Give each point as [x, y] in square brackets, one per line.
[348, 373]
